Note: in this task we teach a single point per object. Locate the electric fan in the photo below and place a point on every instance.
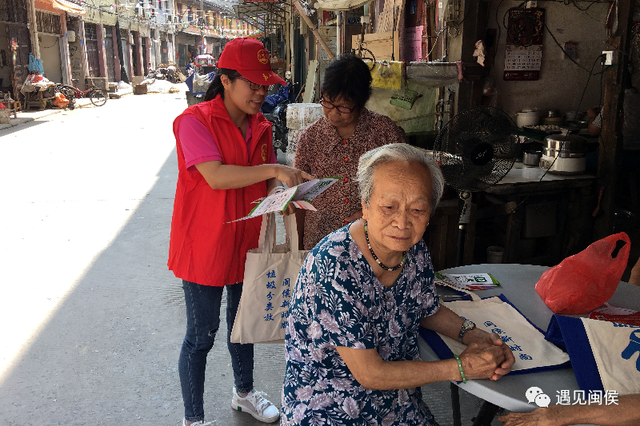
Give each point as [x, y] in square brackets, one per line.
[475, 150]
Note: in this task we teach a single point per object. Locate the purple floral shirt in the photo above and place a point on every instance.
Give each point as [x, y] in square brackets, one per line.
[338, 301]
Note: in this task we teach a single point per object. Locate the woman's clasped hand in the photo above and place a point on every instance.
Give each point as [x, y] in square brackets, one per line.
[487, 358]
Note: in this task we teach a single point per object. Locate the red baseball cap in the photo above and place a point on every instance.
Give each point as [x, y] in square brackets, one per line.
[249, 57]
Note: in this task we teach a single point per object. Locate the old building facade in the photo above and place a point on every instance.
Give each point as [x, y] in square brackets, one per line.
[108, 41]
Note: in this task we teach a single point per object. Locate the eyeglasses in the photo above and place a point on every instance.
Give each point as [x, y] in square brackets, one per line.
[341, 109]
[255, 87]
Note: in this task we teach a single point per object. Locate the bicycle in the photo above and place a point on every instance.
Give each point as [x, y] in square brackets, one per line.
[97, 96]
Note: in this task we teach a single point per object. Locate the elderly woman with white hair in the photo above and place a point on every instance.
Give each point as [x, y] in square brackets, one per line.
[361, 296]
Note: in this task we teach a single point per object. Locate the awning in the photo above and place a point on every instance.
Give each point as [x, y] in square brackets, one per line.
[68, 6]
[266, 16]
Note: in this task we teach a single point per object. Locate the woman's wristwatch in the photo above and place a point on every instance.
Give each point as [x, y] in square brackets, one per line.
[466, 326]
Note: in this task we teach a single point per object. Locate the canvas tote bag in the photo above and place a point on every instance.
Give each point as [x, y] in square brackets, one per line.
[605, 355]
[269, 277]
[496, 315]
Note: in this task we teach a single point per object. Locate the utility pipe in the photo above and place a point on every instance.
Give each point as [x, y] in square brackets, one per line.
[338, 23]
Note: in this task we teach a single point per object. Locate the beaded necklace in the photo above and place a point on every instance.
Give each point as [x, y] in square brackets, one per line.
[386, 268]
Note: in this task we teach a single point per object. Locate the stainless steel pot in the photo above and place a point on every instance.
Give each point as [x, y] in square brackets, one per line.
[562, 154]
[531, 158]
[569, 144]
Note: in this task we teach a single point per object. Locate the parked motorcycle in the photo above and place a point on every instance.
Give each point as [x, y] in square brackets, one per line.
[164, 73]
[274, 109]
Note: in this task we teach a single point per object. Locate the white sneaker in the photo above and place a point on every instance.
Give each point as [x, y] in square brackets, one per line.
[255, 404]
[198, 423]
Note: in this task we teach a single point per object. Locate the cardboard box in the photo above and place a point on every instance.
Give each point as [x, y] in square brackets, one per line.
[140, 89]
[382, 45]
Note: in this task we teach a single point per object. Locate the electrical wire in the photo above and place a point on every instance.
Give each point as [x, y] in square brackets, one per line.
[498, 23]
[561, 48]
[535, 188]
[507, 27]
[455, 25]
[575, 4]
[587, 84]
[435, 43]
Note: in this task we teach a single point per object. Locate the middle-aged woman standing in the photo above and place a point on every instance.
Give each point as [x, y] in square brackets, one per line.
[351, 343]
[225, 162]
[332, 146]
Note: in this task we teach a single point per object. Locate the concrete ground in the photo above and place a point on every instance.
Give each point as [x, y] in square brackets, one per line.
[92, 320]
[22, 117]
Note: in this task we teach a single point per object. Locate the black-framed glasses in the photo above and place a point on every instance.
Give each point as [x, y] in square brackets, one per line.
[255, 87]
[341, 109]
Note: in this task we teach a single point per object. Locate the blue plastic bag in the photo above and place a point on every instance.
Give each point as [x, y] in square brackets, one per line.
[35, 65]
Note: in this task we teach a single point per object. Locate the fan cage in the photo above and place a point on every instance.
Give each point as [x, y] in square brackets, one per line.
[479, 129]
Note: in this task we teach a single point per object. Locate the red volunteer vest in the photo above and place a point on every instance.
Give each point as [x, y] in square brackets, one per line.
[204, 248]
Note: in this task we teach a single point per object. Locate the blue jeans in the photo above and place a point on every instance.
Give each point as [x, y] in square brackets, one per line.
[203, 319]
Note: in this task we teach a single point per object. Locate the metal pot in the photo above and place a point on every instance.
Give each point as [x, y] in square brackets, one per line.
[569, 144]
[562, 154]
[531, 158]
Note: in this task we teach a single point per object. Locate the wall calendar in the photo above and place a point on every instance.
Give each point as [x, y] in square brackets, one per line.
[523, 54]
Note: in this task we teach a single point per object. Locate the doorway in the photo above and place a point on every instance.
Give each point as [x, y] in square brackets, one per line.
[50, 55]
[91, 39]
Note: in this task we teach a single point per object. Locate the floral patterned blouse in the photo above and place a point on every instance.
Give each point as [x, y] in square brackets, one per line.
[338, 301]
[321, 152]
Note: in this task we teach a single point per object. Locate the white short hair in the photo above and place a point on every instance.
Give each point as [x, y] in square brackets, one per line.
[370, 160]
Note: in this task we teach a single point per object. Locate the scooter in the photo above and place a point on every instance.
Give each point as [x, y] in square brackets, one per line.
[274, 109]
[280, 130]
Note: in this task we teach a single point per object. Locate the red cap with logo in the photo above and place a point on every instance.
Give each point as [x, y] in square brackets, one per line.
[249, 57]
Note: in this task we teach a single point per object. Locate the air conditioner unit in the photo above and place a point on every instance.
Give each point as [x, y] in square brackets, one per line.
[71, 35]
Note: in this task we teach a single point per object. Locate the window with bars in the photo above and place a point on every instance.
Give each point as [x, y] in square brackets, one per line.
[90, 31]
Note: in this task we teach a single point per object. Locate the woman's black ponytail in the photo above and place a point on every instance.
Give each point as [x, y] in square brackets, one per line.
[216, 88]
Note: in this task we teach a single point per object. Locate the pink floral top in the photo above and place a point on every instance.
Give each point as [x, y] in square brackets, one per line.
[321, 152]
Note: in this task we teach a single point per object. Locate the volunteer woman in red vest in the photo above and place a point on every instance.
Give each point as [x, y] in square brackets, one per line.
[225, 161]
